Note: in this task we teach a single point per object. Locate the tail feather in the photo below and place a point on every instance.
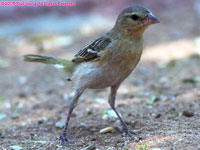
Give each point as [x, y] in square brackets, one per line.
[41, 59]
[67, 65]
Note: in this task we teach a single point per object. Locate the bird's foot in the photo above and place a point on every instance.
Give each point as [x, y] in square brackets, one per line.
[64, 140]
[125, 131]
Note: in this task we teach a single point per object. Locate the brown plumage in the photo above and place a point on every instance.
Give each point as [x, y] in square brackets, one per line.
[107, 61]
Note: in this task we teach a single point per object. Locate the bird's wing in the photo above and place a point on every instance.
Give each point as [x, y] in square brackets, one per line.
[93, 50]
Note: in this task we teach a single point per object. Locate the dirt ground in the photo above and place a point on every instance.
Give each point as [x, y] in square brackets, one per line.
[160, 100]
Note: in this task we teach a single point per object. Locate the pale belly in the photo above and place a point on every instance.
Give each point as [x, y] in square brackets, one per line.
[90, 76]
[94, 76]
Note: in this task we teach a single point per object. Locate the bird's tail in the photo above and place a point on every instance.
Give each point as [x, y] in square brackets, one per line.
[41, 59]
[66, 65]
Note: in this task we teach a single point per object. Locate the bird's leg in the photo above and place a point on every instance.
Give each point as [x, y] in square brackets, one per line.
[63, 137]
[124, 128]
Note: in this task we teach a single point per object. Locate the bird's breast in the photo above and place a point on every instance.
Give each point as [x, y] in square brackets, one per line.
[121, 61]
[113, 66]
[124, 55]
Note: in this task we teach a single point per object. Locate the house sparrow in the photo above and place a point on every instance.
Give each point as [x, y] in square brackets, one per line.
[107, 61]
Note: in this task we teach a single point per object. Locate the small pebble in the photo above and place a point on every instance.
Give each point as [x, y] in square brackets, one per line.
[2, 116]
[158, 116]
[22, 80]
[22, 95]
[40, 142]
[16, 147]
[110, 148]
[119, 140]
[83, 124]
[106, 130]
[137, 138]
[26, 137]
[188, 114]
[111, 114]
[155, 149]
[65, 96]
[43, 120]
[89, 111]
[90, 147]
[50, 91]
[15, 116]
[60, 124]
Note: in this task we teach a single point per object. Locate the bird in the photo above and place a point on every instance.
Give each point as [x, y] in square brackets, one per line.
[106, 62]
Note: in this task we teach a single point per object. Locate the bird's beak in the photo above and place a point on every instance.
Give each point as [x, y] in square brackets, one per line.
[151, 19]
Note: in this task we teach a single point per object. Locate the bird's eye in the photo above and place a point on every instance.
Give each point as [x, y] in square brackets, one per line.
[135, 17]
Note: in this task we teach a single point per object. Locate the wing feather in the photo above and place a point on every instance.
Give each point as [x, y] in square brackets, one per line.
[92, 51]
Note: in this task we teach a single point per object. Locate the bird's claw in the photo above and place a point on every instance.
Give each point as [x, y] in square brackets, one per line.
[64, 140]
[126, 131]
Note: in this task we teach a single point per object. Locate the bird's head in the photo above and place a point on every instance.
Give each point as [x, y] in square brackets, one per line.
[134, 20]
